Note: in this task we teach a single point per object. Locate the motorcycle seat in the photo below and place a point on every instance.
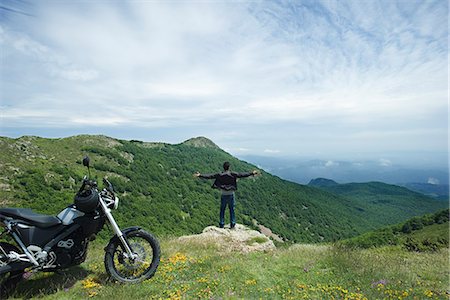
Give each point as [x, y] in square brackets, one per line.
[31, 217]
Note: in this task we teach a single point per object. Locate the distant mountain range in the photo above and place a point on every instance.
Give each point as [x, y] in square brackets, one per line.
[438, 191]
[158, 191]
[431, 182]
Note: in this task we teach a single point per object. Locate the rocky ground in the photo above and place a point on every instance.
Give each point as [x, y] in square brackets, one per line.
[239, 239]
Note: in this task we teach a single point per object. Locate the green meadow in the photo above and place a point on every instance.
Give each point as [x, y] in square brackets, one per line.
[190, 270]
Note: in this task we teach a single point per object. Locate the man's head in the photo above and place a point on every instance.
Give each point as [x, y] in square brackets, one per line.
[226, 166]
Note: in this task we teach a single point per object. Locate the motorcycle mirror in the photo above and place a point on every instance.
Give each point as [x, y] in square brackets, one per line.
[86, 164]
[86, 161]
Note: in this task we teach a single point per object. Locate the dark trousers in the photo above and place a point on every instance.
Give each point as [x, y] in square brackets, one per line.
[224, 201]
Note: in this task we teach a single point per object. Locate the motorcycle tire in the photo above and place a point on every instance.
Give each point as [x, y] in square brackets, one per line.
[9, 280]
[123, 269]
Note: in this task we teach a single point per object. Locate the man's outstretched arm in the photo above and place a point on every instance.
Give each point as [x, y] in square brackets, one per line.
[205, 176]
[246, 174]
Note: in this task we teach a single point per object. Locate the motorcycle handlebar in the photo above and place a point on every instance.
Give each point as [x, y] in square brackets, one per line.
[108, 185]
[85, 182]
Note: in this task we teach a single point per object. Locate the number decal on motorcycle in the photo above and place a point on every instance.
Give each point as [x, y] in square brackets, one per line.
[66, 244]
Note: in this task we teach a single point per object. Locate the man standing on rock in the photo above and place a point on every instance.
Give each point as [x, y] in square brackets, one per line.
[226, 182]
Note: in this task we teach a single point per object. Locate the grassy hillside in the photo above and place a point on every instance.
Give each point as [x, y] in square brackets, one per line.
[381, 203]
[194, 271]
[158, 191]
[426, 233]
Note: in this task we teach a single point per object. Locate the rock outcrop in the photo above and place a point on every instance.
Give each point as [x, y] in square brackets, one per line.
[239, 239]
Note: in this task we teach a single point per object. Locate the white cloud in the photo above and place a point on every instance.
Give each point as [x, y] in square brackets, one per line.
[77, 74]
[27, 46]
[384, 162]
[194, 88]
[97, 121]
[238, 151]
[331, 163]
[432, 180]
[271, 151]
[43, 57]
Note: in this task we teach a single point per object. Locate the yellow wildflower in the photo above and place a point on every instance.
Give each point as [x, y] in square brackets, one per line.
[89, 283]
[178, 257]
[202, 280]
[225, 268]
[92, 294]
[428, 293]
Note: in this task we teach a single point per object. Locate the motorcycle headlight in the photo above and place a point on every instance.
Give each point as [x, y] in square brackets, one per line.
[116, 202]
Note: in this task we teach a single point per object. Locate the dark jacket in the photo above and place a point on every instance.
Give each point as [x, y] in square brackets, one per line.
[226, 180]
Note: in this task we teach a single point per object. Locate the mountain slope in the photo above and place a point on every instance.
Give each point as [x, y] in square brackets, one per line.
[381, 203]
[426, 233]
[322, 182]
[158, 191]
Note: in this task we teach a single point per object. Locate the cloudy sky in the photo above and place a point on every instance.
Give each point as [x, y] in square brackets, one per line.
[323, 79]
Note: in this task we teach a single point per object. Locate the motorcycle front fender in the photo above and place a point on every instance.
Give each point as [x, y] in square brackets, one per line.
[115, 238]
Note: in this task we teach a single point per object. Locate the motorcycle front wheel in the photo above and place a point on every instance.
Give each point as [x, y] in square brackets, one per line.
[146, 250]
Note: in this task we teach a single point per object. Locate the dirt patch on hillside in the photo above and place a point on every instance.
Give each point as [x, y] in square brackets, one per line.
[267, 232]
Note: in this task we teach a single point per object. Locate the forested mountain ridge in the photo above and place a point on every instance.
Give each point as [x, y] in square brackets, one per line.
[158, 191]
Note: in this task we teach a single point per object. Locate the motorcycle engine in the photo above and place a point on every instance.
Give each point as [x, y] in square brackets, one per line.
[71, 250]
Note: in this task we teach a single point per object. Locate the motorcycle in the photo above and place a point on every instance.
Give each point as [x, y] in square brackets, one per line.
[51, 243]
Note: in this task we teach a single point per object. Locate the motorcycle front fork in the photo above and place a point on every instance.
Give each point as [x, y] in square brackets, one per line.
[117, 231]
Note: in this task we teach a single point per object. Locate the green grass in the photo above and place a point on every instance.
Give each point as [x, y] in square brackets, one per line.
[434, 231]
[189, 270]
[257, 239]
